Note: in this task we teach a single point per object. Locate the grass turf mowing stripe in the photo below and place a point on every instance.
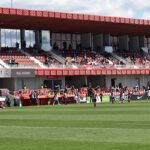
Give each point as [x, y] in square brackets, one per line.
[115, 127]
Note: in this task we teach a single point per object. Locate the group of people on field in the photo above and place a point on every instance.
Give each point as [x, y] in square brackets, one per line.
[84, 94]
[121, 95]
[87, 94]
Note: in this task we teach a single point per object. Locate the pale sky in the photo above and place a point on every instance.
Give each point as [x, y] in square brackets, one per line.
[121, 8]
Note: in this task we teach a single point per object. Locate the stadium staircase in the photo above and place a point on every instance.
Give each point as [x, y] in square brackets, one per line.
[146, 55]
[58, 57]
[3, 64]
[41, 65]
[121, 59]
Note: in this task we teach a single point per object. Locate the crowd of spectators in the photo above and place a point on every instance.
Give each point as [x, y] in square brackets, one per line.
[139, 60]
[86, 57]
[80, 57]
[92, 61]
[135, 58]
[43, 56]
[88, 61]
[50, 61]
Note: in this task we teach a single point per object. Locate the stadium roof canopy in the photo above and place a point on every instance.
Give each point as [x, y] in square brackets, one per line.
[68, 22]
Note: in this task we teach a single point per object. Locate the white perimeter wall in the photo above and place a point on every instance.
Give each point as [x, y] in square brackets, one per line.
[7, 83]
[129, 81]
[33, 83]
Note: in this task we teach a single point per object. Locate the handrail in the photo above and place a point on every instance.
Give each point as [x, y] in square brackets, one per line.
[75, 66]
[100, 66]
[15, 66]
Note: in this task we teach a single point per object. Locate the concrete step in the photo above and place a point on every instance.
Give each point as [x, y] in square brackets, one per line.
[3, 64]
[58, 57]
[34, 59]
[121, 59]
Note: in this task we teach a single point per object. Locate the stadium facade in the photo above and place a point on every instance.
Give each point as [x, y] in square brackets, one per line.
[44, 29]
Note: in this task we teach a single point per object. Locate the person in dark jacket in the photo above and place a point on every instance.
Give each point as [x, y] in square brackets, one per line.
[94, 98]
[89, 94]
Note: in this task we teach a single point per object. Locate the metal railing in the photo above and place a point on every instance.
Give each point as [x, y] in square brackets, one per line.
[75, 66]
[15, 66]
[101, 66]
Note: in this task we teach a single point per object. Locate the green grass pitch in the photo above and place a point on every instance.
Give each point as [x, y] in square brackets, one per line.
[76, 127]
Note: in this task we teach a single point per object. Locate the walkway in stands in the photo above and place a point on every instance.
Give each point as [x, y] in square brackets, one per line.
[2, 63]
[34, 59]
[121, 59]
[60, 58]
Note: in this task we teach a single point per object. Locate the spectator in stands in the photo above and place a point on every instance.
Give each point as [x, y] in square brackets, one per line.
[17, 45]
[7, 49]
[65, 52]
[35, 50]
[46, 61]
[70, 49]
[10, 62]
[24, 45]
[55, 46]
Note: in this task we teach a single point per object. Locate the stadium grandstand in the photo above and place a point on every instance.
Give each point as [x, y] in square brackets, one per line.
[48, 50]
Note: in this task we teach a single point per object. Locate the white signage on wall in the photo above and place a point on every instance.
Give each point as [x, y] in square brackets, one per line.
[5, 73]
[109, 49]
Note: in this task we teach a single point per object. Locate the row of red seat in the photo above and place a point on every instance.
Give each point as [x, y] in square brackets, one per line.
[18, 58]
